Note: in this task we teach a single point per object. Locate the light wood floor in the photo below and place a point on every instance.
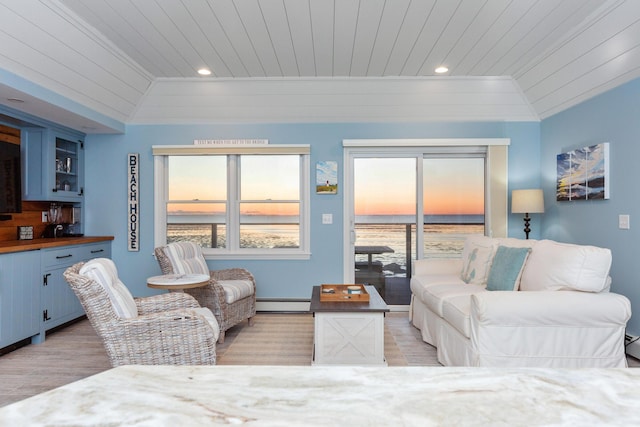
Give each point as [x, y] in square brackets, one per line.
[75, 352]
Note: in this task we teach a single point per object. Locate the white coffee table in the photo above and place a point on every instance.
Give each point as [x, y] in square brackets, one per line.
[177, 282]
[348, 333]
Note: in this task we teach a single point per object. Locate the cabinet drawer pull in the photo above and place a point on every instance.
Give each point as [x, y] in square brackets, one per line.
[97, 251]
[64, 256]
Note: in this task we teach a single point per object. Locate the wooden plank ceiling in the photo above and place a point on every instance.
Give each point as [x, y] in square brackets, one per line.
[322, 60]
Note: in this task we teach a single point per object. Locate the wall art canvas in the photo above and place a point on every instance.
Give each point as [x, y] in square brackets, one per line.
[327, 177]
[583, 174]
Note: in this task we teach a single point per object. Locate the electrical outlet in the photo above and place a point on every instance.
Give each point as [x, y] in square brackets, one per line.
[45, 216]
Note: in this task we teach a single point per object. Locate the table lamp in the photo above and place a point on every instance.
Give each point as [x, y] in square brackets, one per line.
[526, 202]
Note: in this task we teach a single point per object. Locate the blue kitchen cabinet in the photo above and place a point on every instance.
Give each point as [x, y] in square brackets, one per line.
[59, 302]
[52, 165]
[20, 297]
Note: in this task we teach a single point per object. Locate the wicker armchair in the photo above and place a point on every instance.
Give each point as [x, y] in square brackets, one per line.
[168, 329]
[230, 294]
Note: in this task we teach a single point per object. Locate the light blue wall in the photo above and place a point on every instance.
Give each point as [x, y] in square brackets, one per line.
[611, 117]
[106, 190]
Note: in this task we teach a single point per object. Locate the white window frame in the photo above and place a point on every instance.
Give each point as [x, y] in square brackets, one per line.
[161, 196]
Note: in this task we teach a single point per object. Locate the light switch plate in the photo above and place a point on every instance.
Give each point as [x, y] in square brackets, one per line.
[624, 222]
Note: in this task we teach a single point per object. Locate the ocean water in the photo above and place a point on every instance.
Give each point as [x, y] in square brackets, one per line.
[440, 240]
[252, 236]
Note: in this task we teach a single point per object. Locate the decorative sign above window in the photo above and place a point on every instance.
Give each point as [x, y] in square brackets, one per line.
[230, 141]
[133, 214]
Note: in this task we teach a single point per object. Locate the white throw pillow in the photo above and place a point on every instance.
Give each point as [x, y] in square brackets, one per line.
[512, 242]
[104, 272]
[476, 259]
[554, 266]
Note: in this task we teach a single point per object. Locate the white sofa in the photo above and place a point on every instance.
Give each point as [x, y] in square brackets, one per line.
[556, 309]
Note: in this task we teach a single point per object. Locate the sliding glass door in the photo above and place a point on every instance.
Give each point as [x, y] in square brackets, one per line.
[385, 222]
[394, 192]
[453, 195]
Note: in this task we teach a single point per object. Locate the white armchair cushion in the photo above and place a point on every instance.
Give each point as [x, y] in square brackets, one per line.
[105, 273]
[235, 290]
[211, 319]
[554, 266]
[186, 258]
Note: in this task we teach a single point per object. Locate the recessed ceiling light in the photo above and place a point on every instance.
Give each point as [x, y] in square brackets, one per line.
[15, 100]
[441, 69]
[204, 71]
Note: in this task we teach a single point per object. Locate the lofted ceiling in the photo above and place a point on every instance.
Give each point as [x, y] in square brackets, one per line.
[136, 61]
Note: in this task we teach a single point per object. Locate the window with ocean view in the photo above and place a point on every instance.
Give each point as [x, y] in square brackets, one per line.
[412, 202]
[197, 205]
[453, 194]
[270, 202]
[386, 203]
[237, 205]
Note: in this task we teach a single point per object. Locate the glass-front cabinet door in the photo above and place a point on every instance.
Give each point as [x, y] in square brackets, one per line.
[67, 169]
[52, 163]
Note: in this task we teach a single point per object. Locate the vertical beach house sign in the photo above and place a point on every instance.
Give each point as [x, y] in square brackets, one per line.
[133, 212]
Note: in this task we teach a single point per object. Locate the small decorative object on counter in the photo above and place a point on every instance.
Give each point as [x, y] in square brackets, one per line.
[25, 232]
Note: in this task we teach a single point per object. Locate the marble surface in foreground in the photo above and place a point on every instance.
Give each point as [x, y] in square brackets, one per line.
[350, 396]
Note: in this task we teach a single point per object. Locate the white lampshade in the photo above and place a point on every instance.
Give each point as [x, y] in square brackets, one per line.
[527, 201]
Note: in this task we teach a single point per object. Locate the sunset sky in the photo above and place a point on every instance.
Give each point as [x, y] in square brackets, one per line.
[387, 186]
[383, 186]
[204, 178]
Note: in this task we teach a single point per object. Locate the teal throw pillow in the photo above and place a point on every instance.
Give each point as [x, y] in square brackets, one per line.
[506, 268]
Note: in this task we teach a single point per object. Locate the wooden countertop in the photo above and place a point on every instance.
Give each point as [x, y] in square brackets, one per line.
[30, 245]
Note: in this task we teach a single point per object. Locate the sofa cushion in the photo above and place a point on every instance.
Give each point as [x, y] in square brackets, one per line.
[477, 255]
[455, 310]
[512, 242]
[419, 283]
[506, 268]
[554, 266]
[434, 296]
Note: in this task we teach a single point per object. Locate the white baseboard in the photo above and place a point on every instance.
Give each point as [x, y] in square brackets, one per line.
[283, 305]
[302, 306]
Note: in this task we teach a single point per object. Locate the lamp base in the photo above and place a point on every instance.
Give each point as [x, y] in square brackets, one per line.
[527, 230]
